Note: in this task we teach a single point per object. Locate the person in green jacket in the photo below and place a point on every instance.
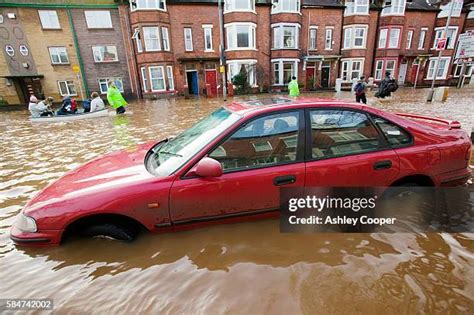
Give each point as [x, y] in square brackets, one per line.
[115, 98]
[293, 87]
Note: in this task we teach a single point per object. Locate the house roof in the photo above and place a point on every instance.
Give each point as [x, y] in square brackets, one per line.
[421, 5]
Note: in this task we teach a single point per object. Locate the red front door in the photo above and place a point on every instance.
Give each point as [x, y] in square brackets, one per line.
[259, 158]
[211, 79]
[309, 78]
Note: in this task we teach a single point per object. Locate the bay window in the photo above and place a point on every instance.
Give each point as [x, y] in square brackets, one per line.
[136, 36]
[148, 5]
[351, 69]
[169, 75]
[288, 6]
[442, 68]
[394, 7]
[235, 66]
[157, 78]
[389, 37]
[356, 7]
[239, 6]
[382, 66]
[451, 36]
[383, 37]
[285, 36]
[240, 36]
[166, 38]
[284, 70]
[152, 38]
[354, 37]
[144, 79]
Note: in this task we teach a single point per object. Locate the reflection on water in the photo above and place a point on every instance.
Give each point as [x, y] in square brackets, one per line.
[244, 268]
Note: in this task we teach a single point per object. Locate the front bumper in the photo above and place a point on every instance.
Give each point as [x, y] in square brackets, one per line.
[40, 238]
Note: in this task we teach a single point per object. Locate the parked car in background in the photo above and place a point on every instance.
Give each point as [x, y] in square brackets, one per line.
[230, 166]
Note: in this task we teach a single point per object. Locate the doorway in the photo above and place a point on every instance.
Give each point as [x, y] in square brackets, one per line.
[193, 83]
[402, 72]
[211, 79]
[27, 86]
[325, 74]
[309, 78]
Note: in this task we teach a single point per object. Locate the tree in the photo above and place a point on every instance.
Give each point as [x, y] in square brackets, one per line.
[241, 82]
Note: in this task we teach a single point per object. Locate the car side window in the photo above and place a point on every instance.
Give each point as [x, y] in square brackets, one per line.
[265, 141]
[337, 132]
[395, 135]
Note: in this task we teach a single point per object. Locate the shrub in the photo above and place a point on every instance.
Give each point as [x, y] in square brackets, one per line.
[240, 80]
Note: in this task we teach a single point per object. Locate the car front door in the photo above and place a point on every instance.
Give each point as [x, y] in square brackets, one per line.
[264, 154]
[344, 148]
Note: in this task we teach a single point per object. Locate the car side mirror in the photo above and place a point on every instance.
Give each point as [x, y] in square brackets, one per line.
[208, 167]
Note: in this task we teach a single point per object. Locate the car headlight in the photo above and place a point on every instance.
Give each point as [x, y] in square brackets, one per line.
[25, 224]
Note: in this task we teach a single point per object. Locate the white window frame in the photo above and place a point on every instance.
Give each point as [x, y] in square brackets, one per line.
[457, 70]
[396, 7]
[410, 38]
[170, 77]
[383, 34]
[147, 32]
[384, 69]
[329, 39]
[422, 39]
[349, 62]
[229, 6]
[144, 79]
[432, 65]
[151, 78]
[188, 42]
[106, 81]
[49, 17]
[98, 19]
[207, 28]
[278, 6]
[136, 36]
[280, 62]
[278, 30]
[458, 4]
[97, 48]
[378, 73]
[55, 51]
[231, 35]
[149, 5]
[394, 30]
[234, 66]
[353, 7]
[439, 32]
[313, 41]
[68, 83]
[165, 37]
[351, 30]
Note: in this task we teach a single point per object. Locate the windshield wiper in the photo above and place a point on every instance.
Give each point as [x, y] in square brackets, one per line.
[169, 153]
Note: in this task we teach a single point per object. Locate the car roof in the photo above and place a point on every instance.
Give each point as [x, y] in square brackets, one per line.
[263, 105]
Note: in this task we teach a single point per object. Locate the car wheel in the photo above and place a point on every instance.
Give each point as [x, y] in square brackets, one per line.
[110, 231]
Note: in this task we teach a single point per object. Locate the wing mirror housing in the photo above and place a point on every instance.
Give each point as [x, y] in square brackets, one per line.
[208, 167]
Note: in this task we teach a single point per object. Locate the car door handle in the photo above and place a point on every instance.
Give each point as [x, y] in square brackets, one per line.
[380, 165]
[284, 180]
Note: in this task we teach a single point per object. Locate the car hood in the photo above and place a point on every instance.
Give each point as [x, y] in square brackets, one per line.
[113, 170]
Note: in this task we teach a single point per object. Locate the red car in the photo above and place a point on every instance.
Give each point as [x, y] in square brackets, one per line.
[230, 165]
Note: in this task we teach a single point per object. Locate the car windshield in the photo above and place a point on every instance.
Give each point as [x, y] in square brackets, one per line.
[169, 156]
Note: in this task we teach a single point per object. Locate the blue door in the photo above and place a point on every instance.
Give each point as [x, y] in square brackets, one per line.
[195, 85]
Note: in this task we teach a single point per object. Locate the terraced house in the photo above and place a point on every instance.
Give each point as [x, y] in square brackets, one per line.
[60, 48]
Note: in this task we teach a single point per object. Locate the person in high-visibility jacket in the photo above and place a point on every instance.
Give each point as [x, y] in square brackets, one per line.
[293, 87]
[115, 98]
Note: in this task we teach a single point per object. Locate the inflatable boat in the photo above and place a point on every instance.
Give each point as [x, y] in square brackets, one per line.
[71, 117]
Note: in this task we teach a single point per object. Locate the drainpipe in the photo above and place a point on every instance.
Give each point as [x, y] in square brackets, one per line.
[78, 52]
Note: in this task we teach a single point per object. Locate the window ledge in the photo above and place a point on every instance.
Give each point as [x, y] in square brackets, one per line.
[392, 14]
[209, 51]
[100, 28]
[61, 64]
[100, 62]
[244, 11]
[240, 49]
[353, 14]
[149, 9]
[286, 49]
[288, 12]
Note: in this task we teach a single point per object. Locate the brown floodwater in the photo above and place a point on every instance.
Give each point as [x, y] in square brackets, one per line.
[247, 268]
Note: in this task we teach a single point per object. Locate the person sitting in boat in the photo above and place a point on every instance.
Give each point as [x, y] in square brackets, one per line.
[97, 103]
[86, 105]
[69, 107]
[40, 109]
[115, 98]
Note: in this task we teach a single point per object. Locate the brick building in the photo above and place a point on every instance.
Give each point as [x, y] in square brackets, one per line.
[60, 49]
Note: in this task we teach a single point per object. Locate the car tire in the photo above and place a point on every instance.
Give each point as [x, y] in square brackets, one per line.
[109, 230]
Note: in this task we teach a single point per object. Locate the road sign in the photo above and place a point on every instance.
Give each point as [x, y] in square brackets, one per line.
[465, 46]
[76, 69]
[441, 44]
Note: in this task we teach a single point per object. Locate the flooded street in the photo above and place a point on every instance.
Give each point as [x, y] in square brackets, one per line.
[247, 268]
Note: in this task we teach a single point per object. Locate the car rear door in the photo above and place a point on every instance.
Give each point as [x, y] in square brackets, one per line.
[344, 148]
[264, 154]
